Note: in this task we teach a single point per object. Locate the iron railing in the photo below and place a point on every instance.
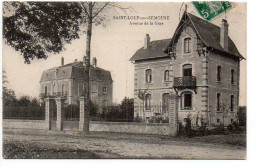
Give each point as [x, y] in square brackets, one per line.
[187, 81]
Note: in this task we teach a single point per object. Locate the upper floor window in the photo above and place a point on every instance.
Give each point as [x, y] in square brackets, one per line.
[187, 70]
[218, 101]
[219, 73]
[104, 90]
[232, 103]
[148, 101]
[94, 88]
[187, 45]
[46, 90]
[232, 76]
[148, 75]
[53, 89]
[166, 75]
[186, 101]
[63, 89]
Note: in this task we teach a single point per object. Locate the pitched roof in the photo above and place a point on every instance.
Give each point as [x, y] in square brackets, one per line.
[155, 50]
[74, 70]
[209, 34]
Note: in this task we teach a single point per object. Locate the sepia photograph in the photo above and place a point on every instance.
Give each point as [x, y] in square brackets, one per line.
[124, 80]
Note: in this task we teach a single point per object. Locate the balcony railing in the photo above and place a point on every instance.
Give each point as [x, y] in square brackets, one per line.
[185, 82]
[54, 94]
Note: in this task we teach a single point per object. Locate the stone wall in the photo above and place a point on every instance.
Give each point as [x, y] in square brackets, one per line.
[24, 124]
[120, 127]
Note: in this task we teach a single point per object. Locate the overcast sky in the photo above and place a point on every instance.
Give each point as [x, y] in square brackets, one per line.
[114, 45]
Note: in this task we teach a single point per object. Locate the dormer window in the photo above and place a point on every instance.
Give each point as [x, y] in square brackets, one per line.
[187, 45]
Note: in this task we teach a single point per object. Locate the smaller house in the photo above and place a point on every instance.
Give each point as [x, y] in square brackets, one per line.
[68, 80]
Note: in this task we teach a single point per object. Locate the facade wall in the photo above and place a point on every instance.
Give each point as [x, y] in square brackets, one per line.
[224, 87]
[158, 87]
[75, 87]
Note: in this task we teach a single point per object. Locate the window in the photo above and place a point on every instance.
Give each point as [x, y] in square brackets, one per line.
[232, 103]
[187, 101]
[53, 89]
[104, 103]
[187, 70]
[232, 76]
[218, 101]
[46, 90]
[148, 101]
[218, 120]
[104, 90]
[166, 75]
[219, 73]
[148, 75]
[94, 88]
[63, 89]
[165, 102]
[80, 89]
[187, 45]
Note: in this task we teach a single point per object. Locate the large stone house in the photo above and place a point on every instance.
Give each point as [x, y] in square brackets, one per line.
[68, 81]
[200, 64]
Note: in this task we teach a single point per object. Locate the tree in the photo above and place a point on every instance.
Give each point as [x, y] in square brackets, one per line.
[38, 28]
[9, 98]
[141, 95]
[127, 108]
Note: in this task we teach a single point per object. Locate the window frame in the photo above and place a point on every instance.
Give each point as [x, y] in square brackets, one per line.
[166, 75]
[148, 77]
[147, 101]
[187, 45]
[183, 101]
[104, 90]
[218, 101]
[46, 90]
[232, 103]
[165, 102]
[219, 69]
[232, 77]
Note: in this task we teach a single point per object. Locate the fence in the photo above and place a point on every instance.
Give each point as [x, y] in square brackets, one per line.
[108, 114]
[29, 113]
[155, 113]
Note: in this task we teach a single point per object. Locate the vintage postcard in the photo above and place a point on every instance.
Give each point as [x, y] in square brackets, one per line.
[124, 80]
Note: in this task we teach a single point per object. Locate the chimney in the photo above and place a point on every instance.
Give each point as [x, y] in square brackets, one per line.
[146, 41]
[62, 61]
[224, 35]
[94, 62]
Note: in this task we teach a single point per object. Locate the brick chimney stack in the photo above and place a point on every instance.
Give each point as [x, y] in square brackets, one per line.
[146, 41]
[224, 35]
[62, 61]
[94, 62]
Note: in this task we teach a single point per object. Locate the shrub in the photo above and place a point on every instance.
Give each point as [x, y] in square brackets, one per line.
[138, 119]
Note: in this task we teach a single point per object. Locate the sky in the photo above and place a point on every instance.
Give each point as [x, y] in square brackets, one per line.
[114, 44]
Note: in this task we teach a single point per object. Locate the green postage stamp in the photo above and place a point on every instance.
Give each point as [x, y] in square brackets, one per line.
[211, 9]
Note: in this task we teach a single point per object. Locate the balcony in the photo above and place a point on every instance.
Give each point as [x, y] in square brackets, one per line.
[54, 94]
[185, 82]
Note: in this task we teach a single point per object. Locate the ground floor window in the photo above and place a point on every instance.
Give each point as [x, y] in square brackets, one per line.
[148, 101]
[186, 103]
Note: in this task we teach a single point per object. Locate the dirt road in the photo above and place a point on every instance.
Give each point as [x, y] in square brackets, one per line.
[116, 146]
